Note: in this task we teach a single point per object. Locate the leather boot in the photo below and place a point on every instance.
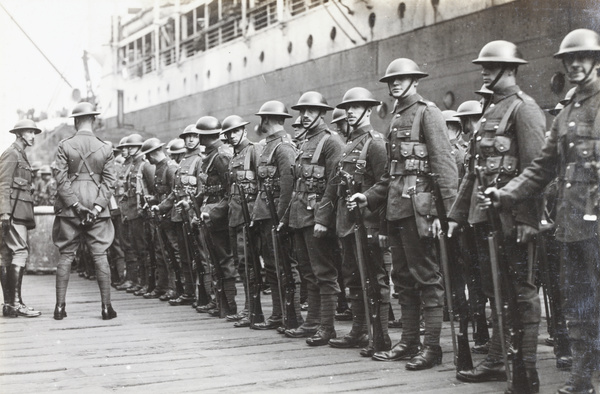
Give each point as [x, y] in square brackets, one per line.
[103, 277]
[490, 370]
[9, 302]
[108, 312]
[309, 327]
[5, 290]
[22, 309]
[428, 357]
[322, 337]
[60, 312]
[357, 337]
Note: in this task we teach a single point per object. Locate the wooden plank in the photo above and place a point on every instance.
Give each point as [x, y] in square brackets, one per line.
[154, 347]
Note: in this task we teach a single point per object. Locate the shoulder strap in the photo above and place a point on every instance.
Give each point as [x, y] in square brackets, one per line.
[210, 162]
[365, 148]
[194, 163]
[273, 152]
[248, 157]
[317, 154]
[507, 115]
[349, 148]
[415, 132]
[84, 162]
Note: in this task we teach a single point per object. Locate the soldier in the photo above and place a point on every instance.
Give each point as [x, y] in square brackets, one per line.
[86, 176]
[116, 256]
[274, 170]
[509, 136]
[298, 131]
[138, 175]
[122, 228]
[176, 149]
[469, 114]
[312, 220]
[364, 158]
[242, 174]
[214, 208]
[454, 132]
[186, 182]
[569, 155]
[45, 191]
[339, 122]
[16, 217]
[418, 145]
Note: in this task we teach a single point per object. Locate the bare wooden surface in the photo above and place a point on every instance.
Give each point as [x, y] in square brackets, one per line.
[152, 347]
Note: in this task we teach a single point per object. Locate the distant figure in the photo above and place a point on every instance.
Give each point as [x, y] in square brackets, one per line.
[16, 216]
[86, 176]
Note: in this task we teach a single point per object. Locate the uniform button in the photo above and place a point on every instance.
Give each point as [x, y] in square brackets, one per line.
[568, 185]
[393, 145]
[483, 120]
[492, 105]
[393, 177]
[577, 105]
[353, 159]
[496, 127]
[343, 154]
[477, 156]
[478, 138]
[585, 152]
[572, 144]
[397, 115]
[395, 129]
[571, 124]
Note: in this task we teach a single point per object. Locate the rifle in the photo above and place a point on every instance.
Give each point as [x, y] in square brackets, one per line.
[502, 276]
[370, 286]
[460, 341]
[207, 244]
[194, 258]
[282, 254]
[251, 257]
[169, 260]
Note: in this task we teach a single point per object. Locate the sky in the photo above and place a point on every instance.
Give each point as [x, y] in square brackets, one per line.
[62, 29]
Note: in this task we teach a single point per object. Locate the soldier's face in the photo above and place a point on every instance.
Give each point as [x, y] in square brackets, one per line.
[28, 136]
[125, 153]
[355, 112]
[579, 68]
[309, 115]
[191, 141]
[401, 84]
[489, 72]
[235, 136]
[132, 150]
[341, 127]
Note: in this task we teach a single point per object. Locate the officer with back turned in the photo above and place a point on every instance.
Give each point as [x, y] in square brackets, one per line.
[571, 154]
[418, 146]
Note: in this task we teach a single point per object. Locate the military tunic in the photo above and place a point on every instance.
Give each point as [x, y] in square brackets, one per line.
[571, 153]
[16, 199]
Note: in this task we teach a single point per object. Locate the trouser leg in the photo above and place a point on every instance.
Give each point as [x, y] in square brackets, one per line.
[103, 276]
[63, 271]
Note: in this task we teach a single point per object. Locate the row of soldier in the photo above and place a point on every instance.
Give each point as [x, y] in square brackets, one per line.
[295, 204]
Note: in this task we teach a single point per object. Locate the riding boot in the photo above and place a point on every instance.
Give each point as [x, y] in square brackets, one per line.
[63, 270]
[9, 301]
[5, 289]
[103, 277]
[23, 310]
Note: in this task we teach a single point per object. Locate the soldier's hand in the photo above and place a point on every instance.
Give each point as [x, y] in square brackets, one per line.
[452, 228]
[205, 217]
[384, 241]
[357, 199]
[490, 196]
[155, 208]
[319, 231]
[525, 233]
[181, 206]
[195, 221]
[82, 211]
[436, 228]
[5, 221]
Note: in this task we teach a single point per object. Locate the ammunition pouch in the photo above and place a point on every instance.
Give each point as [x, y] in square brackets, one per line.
[312, 179]
[266, 174]
[422, 203]
[247, 181]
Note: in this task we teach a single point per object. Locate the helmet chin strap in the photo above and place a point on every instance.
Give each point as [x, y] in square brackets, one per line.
[495, 81]
[405, 92]
[587, 74]
[24, 140]
[360, 118]
[310, 126]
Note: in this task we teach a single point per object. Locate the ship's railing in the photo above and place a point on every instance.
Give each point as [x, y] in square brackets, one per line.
[142, 66]
[214, 36]
[264, 15]
[296, 7]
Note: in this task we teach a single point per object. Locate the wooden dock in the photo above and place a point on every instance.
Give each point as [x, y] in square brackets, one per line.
[152, 347]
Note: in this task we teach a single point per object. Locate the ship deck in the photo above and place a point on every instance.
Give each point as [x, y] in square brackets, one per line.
[152, 347]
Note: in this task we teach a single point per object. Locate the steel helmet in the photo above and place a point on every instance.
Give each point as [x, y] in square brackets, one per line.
[150, 145]
[312, 99]
[36, 166]
[189, 129]
[484, 91]
[358, 96]
[273, 108]
[500, 51]
[568, 96]
[25, 124]
[450, 116]
[297, 122]
[133, 140]
[469, 108]
[122, 143]
[233, 122]
[45, 170]
[579, 40]
[208, 125]
[402, 67]
[337, 115]
[82, 109]
[176, 146]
